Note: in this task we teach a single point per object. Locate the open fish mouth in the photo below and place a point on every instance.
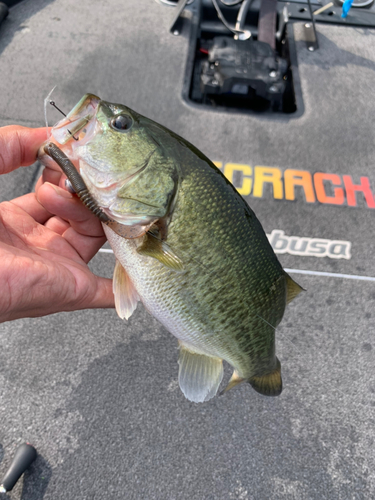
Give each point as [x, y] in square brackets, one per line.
[80, 124]
[75, 131]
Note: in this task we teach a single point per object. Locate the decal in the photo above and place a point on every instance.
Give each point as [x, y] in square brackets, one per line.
[309, 247]
[321, 187]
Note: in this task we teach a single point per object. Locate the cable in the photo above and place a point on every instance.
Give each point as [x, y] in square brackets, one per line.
[245, 34]
[231, 4]
[222, 18]
[242, 15]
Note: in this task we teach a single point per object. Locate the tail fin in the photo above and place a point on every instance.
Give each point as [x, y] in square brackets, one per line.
[270, 384]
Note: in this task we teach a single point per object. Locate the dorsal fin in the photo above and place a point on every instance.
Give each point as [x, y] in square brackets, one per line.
[292, 289]
[126, 296]
[199, 375]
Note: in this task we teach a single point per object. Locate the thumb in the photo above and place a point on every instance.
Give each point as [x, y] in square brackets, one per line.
[19, 146]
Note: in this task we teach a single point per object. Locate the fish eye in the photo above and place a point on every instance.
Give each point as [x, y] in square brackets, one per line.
[122, 123]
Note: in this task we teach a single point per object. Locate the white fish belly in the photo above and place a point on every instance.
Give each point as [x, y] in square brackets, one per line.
[155, 285]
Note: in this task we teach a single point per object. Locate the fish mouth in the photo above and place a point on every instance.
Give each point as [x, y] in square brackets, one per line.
[77, 129]
[79, 125]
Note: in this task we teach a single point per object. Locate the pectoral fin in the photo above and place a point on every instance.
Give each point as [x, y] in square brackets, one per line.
[154, 247]
[199, 375]
[269, 384]
[292, 289]
[126, 296]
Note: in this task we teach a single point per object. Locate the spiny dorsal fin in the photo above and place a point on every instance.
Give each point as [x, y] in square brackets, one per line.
[234, 380]
[270, 384]
[292, 289]
[199, 375]
[126, 296]
[154, 247]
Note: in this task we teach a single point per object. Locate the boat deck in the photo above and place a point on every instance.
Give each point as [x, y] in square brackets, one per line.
[99, 397]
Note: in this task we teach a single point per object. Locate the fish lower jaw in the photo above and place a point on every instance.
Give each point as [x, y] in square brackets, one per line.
[128, 219]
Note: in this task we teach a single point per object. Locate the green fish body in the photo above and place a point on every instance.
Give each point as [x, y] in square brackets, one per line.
[194, 252]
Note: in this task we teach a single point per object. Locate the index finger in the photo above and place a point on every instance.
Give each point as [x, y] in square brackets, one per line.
[19, 146]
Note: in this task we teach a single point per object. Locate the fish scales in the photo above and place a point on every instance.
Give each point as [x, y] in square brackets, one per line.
[201, 262]
[208, 305]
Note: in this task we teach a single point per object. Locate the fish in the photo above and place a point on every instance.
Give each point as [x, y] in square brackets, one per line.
[190, 248]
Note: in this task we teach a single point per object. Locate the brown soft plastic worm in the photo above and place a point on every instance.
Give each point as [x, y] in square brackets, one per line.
[83, 193]
[76, 180]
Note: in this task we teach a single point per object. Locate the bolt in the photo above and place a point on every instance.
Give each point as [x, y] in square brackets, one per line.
[307, 25]
[273, 88]
[311, 48]
[273, 74]
[176, 32]
[244, 36]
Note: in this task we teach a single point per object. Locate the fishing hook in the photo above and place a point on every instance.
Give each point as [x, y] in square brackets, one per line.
[62, 112]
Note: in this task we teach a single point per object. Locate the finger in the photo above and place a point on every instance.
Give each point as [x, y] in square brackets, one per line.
[51, 175]
[60, 202]
[19, 146]
[103, 297]
[39, 182]
[32, 207]
[85, 246]
[91, 291]
[57, 225]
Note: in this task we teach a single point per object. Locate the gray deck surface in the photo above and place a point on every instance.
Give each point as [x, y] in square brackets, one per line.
[98, 397]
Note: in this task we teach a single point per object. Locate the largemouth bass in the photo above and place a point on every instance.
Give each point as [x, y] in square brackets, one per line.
[190, 248]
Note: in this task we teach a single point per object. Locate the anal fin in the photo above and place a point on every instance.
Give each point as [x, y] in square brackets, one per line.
[269, 384]
[126, 296]
[199, 375]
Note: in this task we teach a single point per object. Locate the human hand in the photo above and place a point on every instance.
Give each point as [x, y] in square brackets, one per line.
[46, 240]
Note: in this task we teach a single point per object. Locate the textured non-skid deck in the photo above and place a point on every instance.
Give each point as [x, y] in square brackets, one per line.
[99, 397]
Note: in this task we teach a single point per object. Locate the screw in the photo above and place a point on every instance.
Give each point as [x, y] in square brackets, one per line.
[176, 33]
[307, 25]
[273, 74]
[311, 48]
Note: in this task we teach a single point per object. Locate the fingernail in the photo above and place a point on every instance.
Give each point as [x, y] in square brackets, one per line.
[60, 192]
